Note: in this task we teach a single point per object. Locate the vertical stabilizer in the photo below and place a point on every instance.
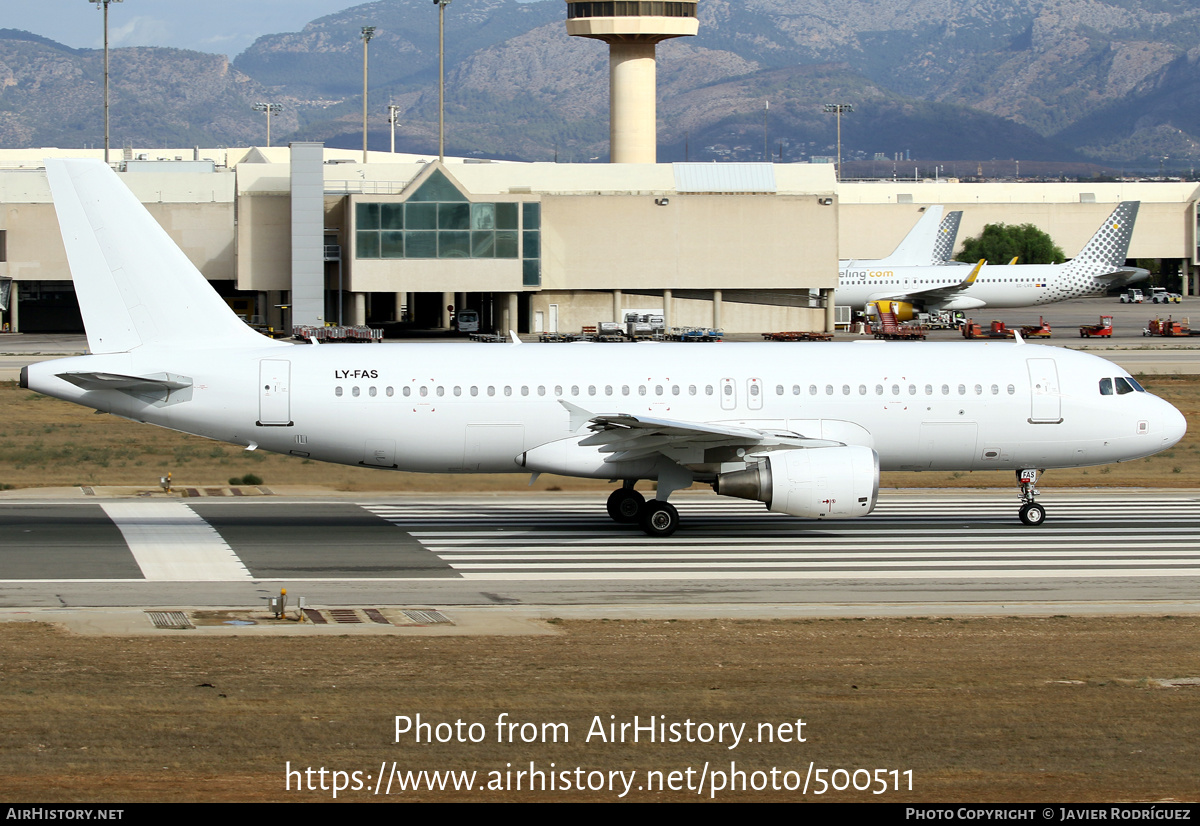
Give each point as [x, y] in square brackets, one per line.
[134, 285]
[1109, 246]
[947, 236]
[916, 249]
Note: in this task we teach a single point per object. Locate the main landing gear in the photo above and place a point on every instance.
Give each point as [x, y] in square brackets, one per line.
[1031, 512]
[656, 517]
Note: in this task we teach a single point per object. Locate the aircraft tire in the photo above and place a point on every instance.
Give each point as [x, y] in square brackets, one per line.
[1033, 514]
[625, 505]
[659, 519]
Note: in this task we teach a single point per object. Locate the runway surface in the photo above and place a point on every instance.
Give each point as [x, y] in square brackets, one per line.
[563, 550]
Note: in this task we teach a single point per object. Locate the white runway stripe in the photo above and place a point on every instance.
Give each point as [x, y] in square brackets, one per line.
[172, 544]
[722, 539]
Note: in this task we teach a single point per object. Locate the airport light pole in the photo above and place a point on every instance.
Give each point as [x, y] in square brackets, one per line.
[104, 4]
[367, 33]
[838, 109]
[766, 111]
[441, 4]
[393, 110]
[270, 109]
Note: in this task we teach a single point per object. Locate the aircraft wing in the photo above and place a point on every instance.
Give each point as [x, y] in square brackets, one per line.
[932, 293]
[944, 292]
[627, 437]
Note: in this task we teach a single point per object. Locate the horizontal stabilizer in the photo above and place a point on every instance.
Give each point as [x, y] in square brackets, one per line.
[159, 387]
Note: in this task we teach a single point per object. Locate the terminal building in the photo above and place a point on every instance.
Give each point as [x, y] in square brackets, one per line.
[306, 235]
[310, 235]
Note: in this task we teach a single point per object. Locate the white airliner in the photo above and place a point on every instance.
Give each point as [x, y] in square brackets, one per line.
[929, 243]
[805, 435]
[1099, 266]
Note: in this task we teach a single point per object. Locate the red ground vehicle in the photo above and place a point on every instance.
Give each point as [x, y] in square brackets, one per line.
[1104, 328]
[1039, 330]
[1170, 328]
[971, 329]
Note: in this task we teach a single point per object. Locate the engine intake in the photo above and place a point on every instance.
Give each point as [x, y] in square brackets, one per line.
[821, 483]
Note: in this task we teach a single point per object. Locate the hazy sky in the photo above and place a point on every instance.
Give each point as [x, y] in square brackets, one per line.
[218, 26]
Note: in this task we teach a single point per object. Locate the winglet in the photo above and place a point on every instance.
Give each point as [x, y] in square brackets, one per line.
[1015, 257]
[512, 335]
[970, 279]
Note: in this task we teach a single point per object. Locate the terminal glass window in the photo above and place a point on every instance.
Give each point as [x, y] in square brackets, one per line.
[531, 245]
[632, 8]
[437, 221]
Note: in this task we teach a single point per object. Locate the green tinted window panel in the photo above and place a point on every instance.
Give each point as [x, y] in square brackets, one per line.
[483, 244]
[532, 244]
[454, 245]
[437, 187]
[391, 216]
[531, 216]
[366, 244]
[367, 216]
[391, 244]
[531, 274]
[506, 244]
[483, 216]
[506, 216]
[420, 244]
[454, 216]
[420, 216]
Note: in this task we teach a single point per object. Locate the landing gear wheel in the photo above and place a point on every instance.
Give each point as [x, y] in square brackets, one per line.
[1033, 514]
[625, 505]
[659, 518]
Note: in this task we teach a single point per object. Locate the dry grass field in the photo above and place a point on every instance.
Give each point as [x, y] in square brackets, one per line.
[1055, 709]
[49, 443]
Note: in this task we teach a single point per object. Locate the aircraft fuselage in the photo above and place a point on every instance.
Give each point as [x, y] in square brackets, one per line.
[478, 408]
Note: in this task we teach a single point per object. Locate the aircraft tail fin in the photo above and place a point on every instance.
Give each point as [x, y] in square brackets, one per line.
[1109, 247]
[916, 250]
[943, 248]
[134, 285]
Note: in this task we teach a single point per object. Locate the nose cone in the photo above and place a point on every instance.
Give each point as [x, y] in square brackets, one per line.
[1174, 426]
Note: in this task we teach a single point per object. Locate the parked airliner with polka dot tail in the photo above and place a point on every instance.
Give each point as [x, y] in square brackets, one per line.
[1099, 267]
[805, 436]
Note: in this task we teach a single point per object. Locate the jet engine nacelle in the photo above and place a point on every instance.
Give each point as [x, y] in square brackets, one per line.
[903, 310]
[822, 483]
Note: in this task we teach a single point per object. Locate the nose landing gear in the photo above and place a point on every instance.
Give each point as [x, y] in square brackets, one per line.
[1031, 512]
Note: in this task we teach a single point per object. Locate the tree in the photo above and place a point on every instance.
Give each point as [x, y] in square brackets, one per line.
[1001, 243]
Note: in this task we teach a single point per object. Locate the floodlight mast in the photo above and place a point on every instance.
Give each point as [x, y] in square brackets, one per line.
[441, 4]
[367, 33]
[838, 109]
[393, 114]
[270, 109]
[104, 4]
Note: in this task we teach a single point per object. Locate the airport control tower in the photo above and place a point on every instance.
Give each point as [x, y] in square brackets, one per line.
[632, 29]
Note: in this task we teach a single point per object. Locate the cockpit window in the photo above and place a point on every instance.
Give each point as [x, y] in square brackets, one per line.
[1106, 387]
[1123, 385]
[1135, 384]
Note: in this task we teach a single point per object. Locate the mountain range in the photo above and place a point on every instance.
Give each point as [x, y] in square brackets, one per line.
[1105, 81]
